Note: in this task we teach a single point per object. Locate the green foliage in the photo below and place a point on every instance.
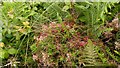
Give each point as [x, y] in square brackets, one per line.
[61, 38]
[16, 30]
[118, 53]
[53, 12]
[3, 53]
[12, 51]
[118, 35]
[112, 13]
[102, 55]
[90, 56]
[116, 58]
[93, 14]
[33, 48]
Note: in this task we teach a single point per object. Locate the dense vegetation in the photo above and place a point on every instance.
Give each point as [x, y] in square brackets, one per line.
[59, 34]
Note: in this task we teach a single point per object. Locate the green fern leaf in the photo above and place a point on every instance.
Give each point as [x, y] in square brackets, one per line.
[90, 56]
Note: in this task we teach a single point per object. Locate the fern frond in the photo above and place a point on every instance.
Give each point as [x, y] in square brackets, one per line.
[90, 56]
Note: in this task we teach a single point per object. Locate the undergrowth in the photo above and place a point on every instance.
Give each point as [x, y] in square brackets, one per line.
[59, 34]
